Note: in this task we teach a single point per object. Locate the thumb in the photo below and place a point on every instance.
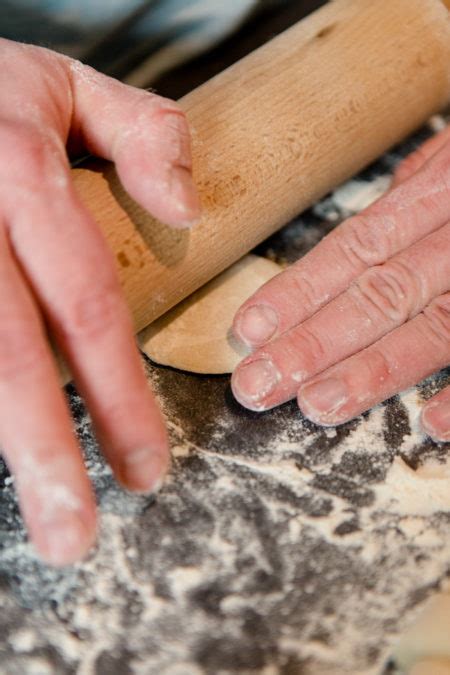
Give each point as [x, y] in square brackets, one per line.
[147, 137]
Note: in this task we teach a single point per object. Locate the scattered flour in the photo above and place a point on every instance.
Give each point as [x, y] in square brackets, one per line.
[356, 195]
[293, 539]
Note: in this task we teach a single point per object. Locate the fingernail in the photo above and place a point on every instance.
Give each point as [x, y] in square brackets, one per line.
[255, 381]
[436, 420]
[184, 196]
[257, 324]
[143, 471]
[65, 540]
[322, 399]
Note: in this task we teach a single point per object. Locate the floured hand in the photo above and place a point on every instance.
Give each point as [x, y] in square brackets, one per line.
[366, 313]
[56, 272]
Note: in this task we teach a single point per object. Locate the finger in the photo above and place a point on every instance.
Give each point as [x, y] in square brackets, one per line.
[413, 210]
[381, 299]
[399, 360]
[71, 271]
[148, 138]
[35, 430]
[416, 160]
[436, 416]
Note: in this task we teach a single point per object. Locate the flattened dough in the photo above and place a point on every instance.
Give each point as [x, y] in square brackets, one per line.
[196, 334]
[431, 667]
[426, 644]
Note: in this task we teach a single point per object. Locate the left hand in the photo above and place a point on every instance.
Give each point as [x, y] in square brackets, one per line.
[57, 274]
[366, 313]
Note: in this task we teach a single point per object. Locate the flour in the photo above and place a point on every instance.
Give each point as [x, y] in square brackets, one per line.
[437, 123]
[412, 493]
[143, 592]
[356, 195]
[270, 541]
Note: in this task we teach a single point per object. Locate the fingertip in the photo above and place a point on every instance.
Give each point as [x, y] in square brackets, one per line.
[154, 163]
[435, 420]
[143, 470]
[253, 382]
[169, 194]
[67, 540]
[183, 201]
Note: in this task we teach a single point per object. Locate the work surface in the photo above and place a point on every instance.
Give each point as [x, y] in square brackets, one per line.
[275, 547]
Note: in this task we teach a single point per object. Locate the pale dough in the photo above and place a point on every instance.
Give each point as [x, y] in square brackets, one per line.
[196, 334]
[425, 648]
[431, 667]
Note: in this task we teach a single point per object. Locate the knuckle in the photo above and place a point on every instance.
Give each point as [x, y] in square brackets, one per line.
[364, 240]
[437, 316]
[410, 164]
[20, 350]
[315, 349]
[438, 173]
[165, 106]
[32, 156]
[21, 144]
[162, 123]
[164, 112]
[175, 129]
[380, 368]
[301, 286]
[121, 408]
[389, 291]
[91, 313]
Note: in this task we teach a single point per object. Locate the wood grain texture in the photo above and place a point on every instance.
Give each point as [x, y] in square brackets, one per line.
[274, 133]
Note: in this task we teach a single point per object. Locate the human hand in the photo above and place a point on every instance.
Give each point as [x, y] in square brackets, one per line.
[56, 272]
[366, 313]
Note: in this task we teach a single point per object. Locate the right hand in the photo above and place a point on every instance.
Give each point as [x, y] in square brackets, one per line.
[366, 313]
[57, 272]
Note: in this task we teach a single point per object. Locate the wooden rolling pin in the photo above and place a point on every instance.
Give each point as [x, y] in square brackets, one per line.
[274, 133]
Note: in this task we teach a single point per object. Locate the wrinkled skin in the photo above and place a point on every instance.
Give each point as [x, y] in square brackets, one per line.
[366, 313]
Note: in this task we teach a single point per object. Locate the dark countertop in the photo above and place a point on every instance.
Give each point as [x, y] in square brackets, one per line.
[275, 547]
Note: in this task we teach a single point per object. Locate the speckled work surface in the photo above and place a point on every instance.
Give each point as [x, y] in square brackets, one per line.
[275, 547]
